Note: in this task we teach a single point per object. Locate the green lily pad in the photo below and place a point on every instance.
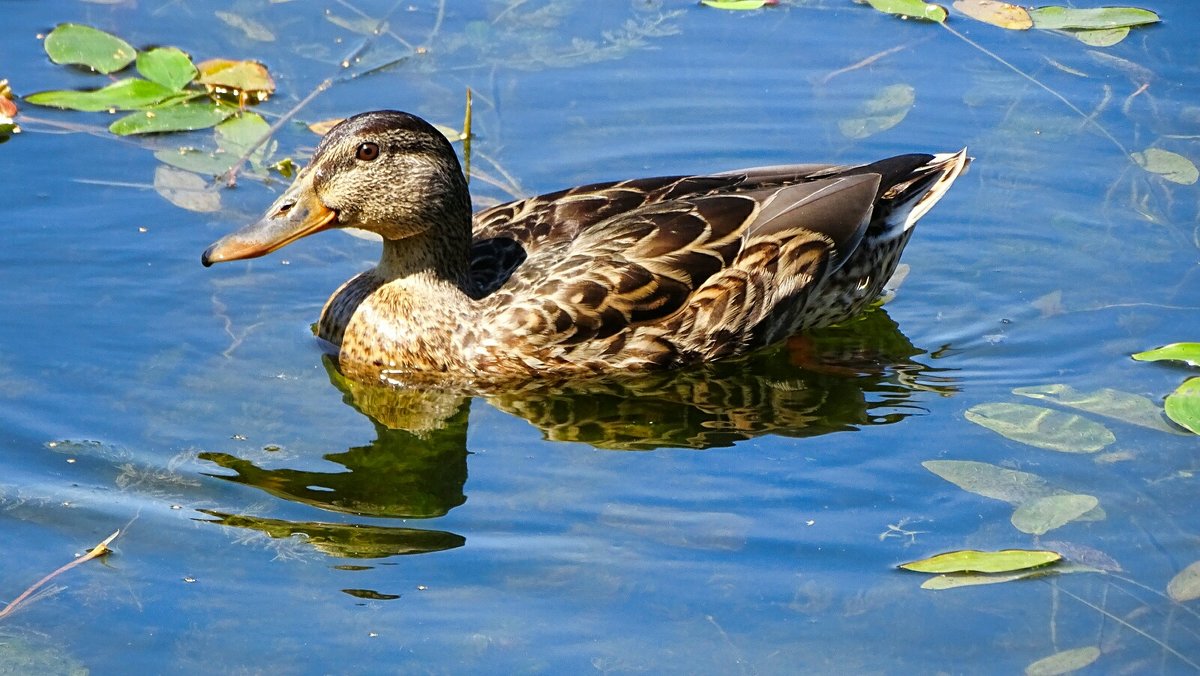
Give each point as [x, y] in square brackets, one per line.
[1188, 353]
[915, 9]
[1039, 516]
[129, 94]
[79, 45]
[182, 117]
[1171, 166]
[1186, 585]
[186, 190]
[1101, 37]
[1183, 405]
[885, 110]
[1058, 18]
[1064, 662]
[975, 561]
[1123, 406]
[1042, 427]
[168, 66]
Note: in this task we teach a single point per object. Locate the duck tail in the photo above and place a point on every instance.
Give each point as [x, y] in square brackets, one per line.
[913, 196]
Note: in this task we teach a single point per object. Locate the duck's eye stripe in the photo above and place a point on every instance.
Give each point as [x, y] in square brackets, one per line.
[367, 152]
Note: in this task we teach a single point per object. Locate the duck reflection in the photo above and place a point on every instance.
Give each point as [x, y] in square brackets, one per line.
[854, 375]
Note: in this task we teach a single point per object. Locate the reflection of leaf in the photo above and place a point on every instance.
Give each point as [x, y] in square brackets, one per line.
[1183, 405]
[1186, 585]
[251, 28]
[1056, 18]
[1188, 353]
[975, 561]
[234, 137]
[955, 580]
[917, 9]
[75, 44]
[185, 189]
[129, 94]
[167, 66]
[1171, 166]
[1101, 37]
[1063, 662]
[1107, 402]
[885, 110]
[996, 13]
[182, 117]
[1042, 427]
[1045, 514]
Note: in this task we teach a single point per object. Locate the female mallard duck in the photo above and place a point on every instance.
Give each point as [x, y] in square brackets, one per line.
[645, 273]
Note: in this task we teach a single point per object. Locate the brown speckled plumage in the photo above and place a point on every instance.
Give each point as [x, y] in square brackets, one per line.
[647, 273]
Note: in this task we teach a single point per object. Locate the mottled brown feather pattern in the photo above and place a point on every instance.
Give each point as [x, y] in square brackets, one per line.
[646, 273]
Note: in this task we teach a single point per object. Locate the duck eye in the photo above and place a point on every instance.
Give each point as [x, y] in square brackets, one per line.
[367, 152]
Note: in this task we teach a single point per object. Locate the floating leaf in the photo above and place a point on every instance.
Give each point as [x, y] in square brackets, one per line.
[956, 580]
[182, 117]
[1101, 37]
[1171, 166]
[251, 28]
[1042, 427]
[76, 44]
[916, 9]
[738, 4]
[1186, 585]
[1045, 514]
[234, 137]
[129, 94]
[239, 134]
[885, 110]
[1183, 405]
[185, 189]
[1064, 662]
[168, 66]
[998, 483]
[1107, 402]
[236, 77]
[1057, 18]
[996, 13]
[975, 561]
[1188, 353]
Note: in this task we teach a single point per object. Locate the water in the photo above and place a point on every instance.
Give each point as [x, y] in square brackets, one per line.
[739, 518]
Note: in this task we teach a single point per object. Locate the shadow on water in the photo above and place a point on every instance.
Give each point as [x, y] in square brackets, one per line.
[855, 375]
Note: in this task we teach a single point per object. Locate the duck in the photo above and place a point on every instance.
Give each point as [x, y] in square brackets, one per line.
[613, 277]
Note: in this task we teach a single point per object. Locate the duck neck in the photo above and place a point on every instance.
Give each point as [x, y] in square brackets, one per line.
[436, 260]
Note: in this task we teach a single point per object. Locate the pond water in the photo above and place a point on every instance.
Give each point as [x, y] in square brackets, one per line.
[745, 517]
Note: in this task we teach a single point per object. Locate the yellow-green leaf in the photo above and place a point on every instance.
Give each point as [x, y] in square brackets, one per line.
[1045, 514]
[1042, 427]
[1186, 585]
[1171, 166]
[236, 77]
[1064, 662]
[79, 45]
[885, 110]
[182, 117]
[997, 13]
[975, 561]
[1057, 18]
[128, 94]
[1111, 403]
[1183, 405]
[168, 66]
[1188, 353]
[915, 9]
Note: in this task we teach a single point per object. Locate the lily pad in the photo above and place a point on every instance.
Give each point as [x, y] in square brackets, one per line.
[1057, 18]
[182, 117]
[1186, 585]
[975, 561]
[186, 190]
[236, 77]
[1188, 353]
[129, 94]
[1042, 427]
[1183, 405]
[79, 45]
[1171, 166]
[168, 66]
[1064, 662]
[1123, 406]
[234, 137]
[1101, 37]
[915, 9]
[997, 13]
[885, 110]
[1039, 516]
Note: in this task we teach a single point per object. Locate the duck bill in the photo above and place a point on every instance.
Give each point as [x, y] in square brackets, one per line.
[297, 213]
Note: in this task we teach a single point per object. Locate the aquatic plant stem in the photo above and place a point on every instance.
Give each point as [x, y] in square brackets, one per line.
[1132, 628]
[230, 176]
[98, 550]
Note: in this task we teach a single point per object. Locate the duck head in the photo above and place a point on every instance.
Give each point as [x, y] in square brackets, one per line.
[386, 172]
